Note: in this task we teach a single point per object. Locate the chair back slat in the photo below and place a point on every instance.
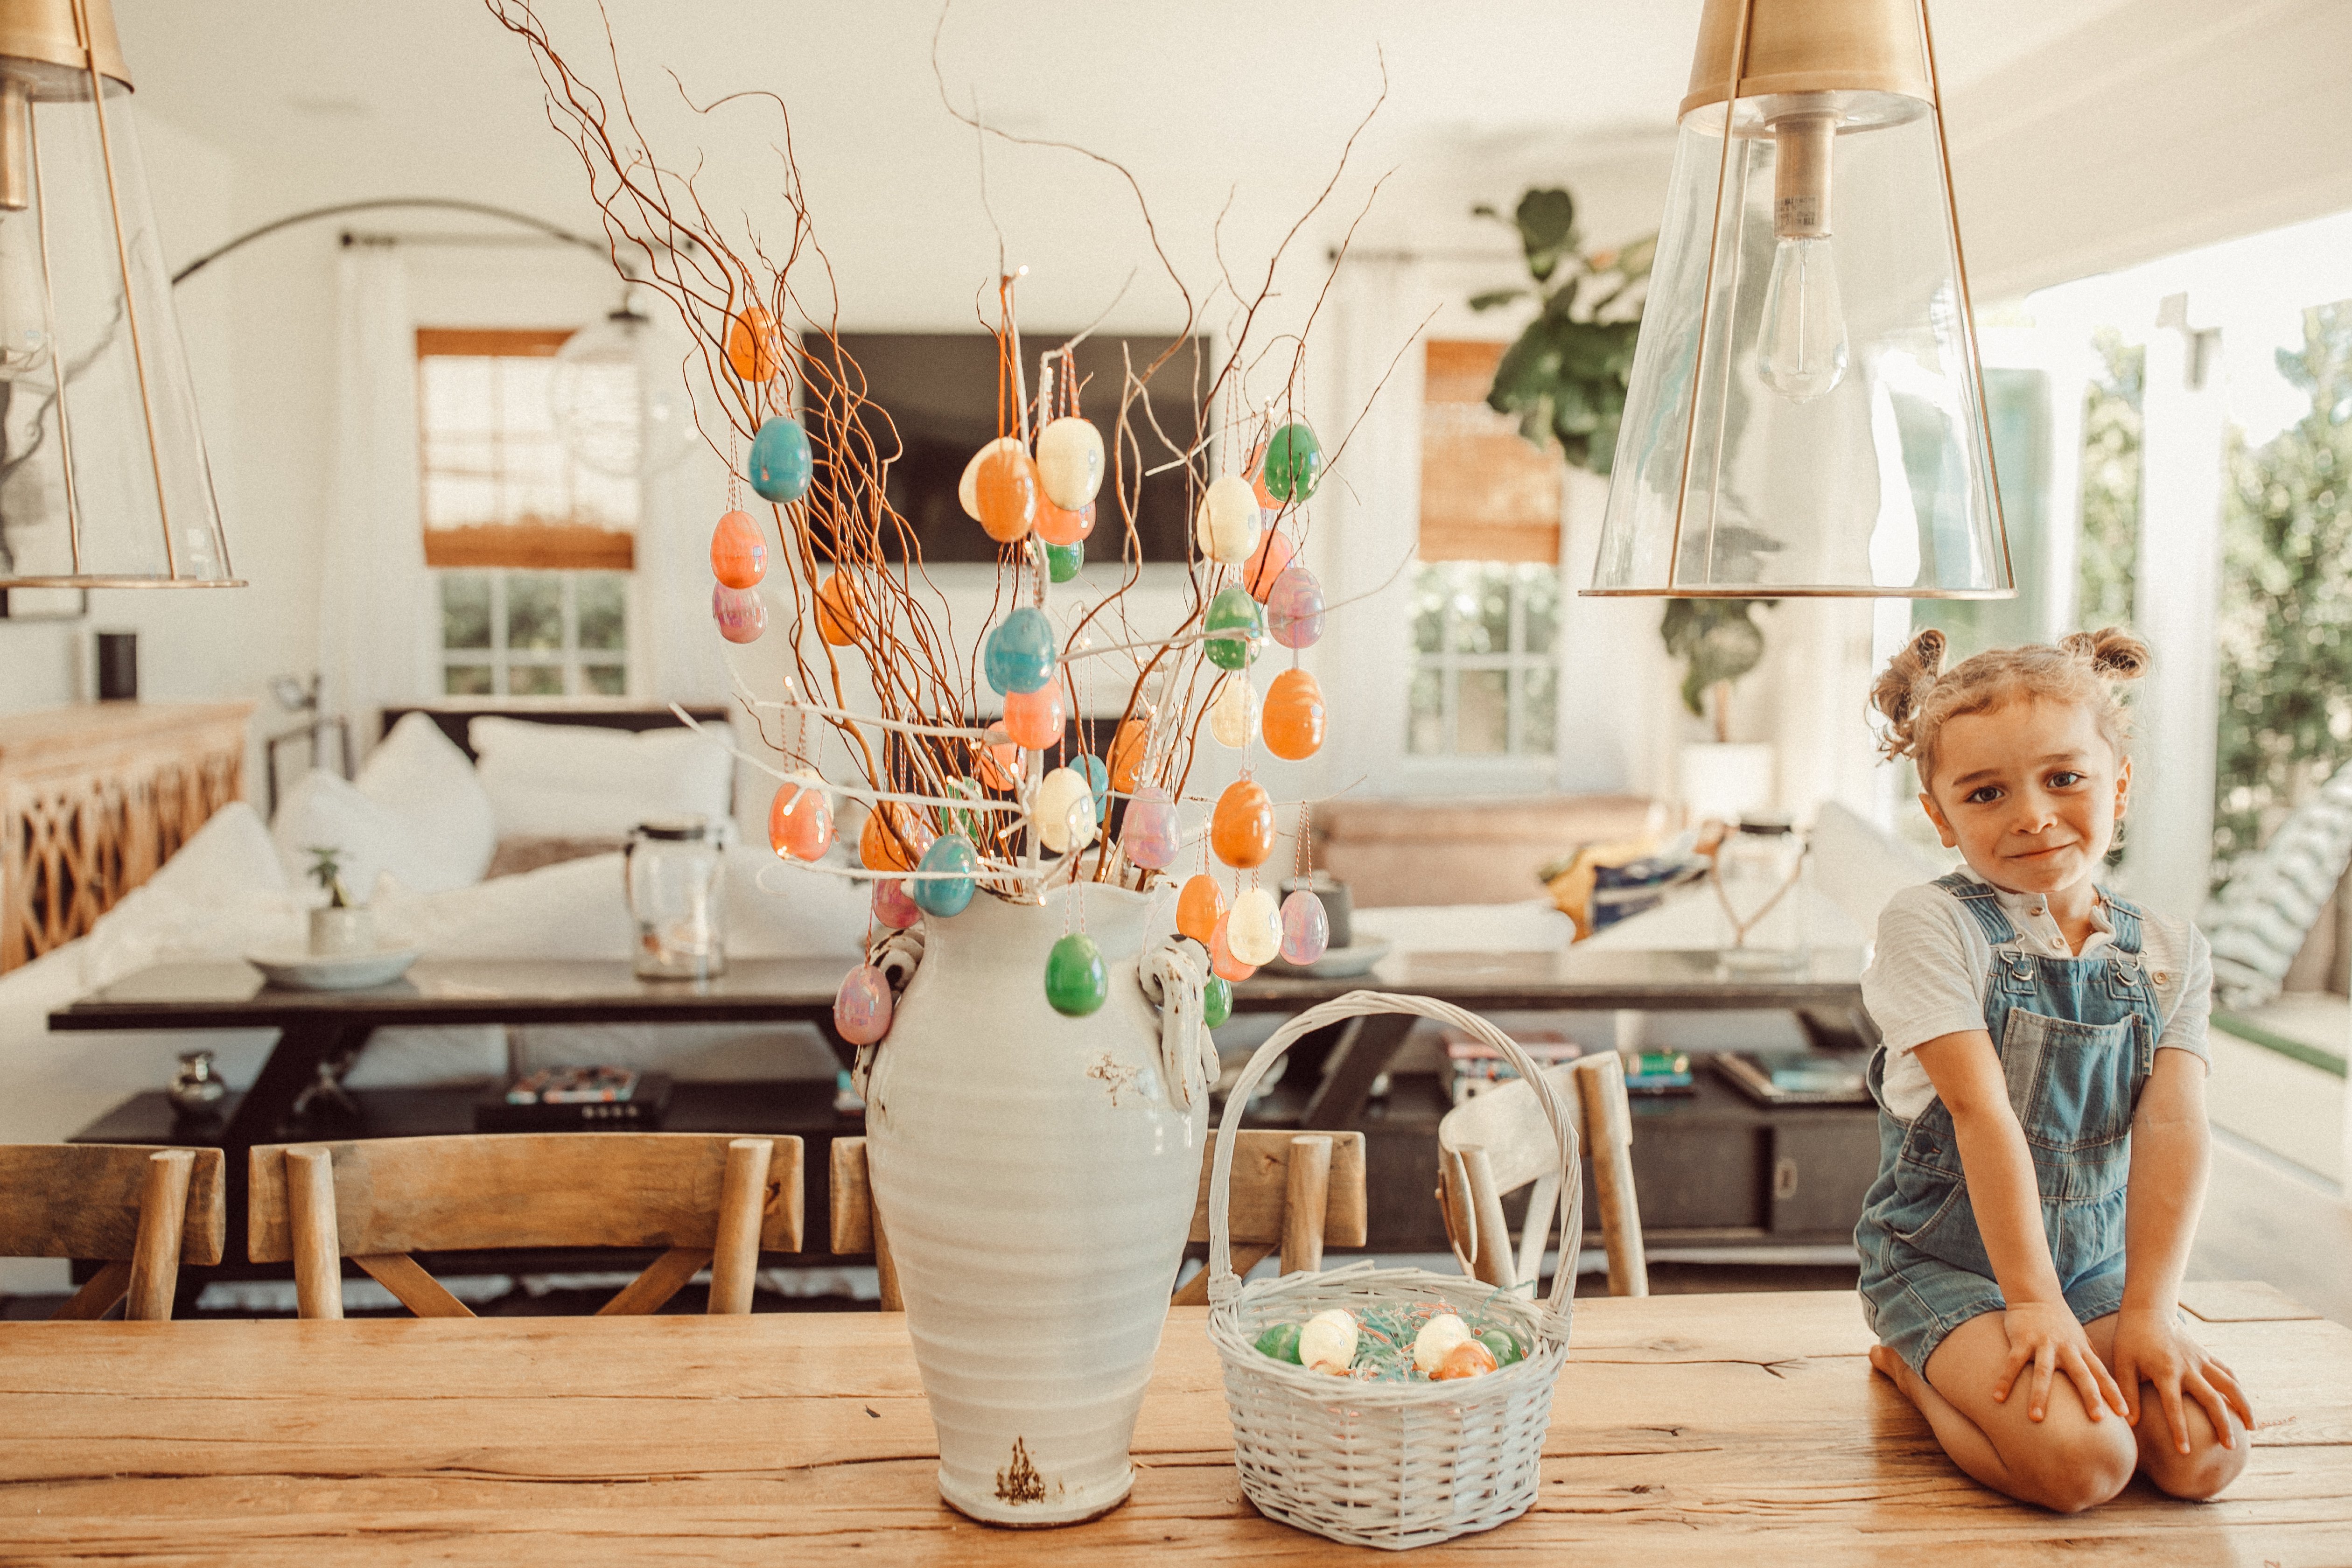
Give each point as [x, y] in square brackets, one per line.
[1508, 1123]
[521, 1190]
[1262, 1188]
[83, 1200]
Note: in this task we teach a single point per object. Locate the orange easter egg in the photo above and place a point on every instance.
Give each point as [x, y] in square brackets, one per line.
[878, 850]
[800, 823]
[1468, 1359]
[1056, 526]
[1006, 489]
[836, 610]
[1221, 961]
[1242, 830]
[1267, 562]
[752, 345]
[1294, 716]
[739, 556]
[1201, 909]
[994, 758]
[1126, 750]
[1034, 719]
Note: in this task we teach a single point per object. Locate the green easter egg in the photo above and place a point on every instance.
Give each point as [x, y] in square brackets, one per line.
[1504, 1343]
[1233, 611]
[1293, 463]
[1281, 1342]
[1063, 560]
[1077, 980]
[1216, 1001]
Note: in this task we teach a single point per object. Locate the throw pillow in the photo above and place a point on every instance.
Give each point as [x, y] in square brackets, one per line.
[419, 775]
[583, 781]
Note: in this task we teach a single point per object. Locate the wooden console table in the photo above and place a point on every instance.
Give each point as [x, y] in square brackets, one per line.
[94, 798]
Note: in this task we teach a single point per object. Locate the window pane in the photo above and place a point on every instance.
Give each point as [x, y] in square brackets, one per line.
[1538, 708]
[1482, 608]
[604, 611]
[464, 609]
[1479, 724]
[465, 679]
[535, 610]
[1425, 719]
[1430, 586]
[606, 680]
[1539, 607]
[534, 681]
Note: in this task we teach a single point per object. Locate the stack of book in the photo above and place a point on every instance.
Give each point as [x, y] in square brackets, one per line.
[1474, 1067]
[585, 1099]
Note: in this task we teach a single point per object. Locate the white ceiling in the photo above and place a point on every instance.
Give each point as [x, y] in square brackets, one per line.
[321, 101]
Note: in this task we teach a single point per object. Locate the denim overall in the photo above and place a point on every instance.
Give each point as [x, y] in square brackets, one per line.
[2077, 1040]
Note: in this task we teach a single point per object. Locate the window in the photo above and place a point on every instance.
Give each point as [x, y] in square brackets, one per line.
[1486, 595]
[531, 549]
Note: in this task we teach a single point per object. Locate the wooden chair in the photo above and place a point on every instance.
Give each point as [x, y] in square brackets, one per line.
[144, 1210]
[1297, 1191]
[1499, 1142]
[708, 1198]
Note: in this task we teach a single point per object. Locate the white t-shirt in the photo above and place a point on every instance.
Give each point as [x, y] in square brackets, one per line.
[1926, 976]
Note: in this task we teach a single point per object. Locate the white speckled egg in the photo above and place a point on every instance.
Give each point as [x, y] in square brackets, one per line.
[1437, 1336]
[1070, 462]
[1064, 810]
[1226, 529]
[1327, 1342]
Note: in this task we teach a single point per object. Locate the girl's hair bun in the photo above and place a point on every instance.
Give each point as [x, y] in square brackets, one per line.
[2113, 653]
[1904, 685]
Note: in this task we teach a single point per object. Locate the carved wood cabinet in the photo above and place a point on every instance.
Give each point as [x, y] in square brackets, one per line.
[94, 798]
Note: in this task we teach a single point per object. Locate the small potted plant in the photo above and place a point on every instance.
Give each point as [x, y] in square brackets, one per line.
[341, 927]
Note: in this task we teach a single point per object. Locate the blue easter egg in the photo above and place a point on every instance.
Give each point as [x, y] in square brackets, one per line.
[1019, 655]
[779, 465]
[1097, 782]
[945, 896]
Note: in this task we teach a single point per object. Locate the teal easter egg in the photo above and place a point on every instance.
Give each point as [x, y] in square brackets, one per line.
[945, 895]
[1098, 779]
[1019, 655]
[1077, 982]
[779, 463]
[1243, 622]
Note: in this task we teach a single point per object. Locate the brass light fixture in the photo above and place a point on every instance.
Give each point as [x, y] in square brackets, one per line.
[1806, 412]
[103, 478]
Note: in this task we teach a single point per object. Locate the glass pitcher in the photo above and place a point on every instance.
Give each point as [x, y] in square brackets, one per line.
[677, 871]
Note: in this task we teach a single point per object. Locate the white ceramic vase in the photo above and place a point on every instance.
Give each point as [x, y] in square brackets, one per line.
[1035, 1178]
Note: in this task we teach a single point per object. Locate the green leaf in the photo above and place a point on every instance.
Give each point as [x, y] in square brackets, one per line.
[1493, 297]
[1547, 225]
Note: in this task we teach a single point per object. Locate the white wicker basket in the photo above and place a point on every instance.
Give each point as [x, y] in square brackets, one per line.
[1390, 1465]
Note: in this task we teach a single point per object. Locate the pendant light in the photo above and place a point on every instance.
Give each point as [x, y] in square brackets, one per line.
[103, 478]
[1805, 413]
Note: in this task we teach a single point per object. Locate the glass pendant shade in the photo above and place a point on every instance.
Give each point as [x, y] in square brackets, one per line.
[1805, 413]
[103, 478]
[619, 402]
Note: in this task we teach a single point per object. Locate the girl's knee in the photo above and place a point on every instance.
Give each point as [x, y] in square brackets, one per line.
[2203, 1472]
[2077, 1467]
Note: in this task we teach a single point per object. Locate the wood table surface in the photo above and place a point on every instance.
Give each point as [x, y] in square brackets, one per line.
[1713, 1430]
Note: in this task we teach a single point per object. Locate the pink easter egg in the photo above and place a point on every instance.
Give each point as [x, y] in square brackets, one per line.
[740, 613]
[1148, 835]
[892, 907]
[1293, 610]
[1305, 929]
[861, 1013]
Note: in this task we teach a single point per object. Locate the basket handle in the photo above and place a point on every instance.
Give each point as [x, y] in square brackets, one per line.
[1222, 1284]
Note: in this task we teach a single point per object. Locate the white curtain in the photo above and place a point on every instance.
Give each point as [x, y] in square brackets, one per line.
[377, 635]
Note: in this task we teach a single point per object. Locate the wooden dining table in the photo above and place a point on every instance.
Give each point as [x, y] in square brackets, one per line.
[1714, 1430]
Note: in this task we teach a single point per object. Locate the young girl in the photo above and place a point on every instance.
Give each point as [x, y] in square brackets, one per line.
[2042, 1146]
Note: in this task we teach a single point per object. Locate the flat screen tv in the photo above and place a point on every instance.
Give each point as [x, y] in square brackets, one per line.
[939, 391]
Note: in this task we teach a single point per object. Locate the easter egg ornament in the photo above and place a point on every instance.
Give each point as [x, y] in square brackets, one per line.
[1293, 463]
[994, 757]
[1128, 748]
[1019, 654]
[752, 345]
[1266, 564]
[1148, 833]
[800, 823]
[739, 556]
[836, 610]
[1063, 560]
[1241, 830]
[878, 850]
[1305, 929]
[1216, 1001]
[1295, 716]
[1097, 777]
[740, 613]
[1223, 963]
[1236, 628]
[1253, 929]
[1437, 1340]
[1057, 525]
[968, 486]
[1198, 908]
[1070, 462]
[1006, 490]
[1468, 1359]
[950, 863]
[1233, 716]
[861, 1009]
[1225, 527]
[780, 464]
[1077, 982]
[1281, 1342]
[1034, 719]
[1064, 809]
[1293, 610]
[892, 907]
[1502, 1345]
[1327, 1342]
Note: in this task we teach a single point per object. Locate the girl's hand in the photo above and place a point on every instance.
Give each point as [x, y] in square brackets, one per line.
[2049, 1337]
[2150, 1348]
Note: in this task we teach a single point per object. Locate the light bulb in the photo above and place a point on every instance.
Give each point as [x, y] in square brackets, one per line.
[1802, 352]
